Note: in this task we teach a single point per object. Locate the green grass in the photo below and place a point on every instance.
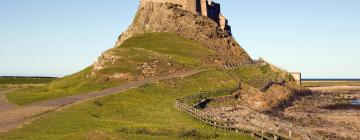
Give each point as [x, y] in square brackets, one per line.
[164, 47]
[259, 76]
[17, 81]
[146, 112]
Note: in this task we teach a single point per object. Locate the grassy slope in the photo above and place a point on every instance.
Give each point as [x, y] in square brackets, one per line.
[165, 47]
[142, 113]
[260, 76]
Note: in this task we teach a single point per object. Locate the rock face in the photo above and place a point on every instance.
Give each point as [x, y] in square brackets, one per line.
[198, 20]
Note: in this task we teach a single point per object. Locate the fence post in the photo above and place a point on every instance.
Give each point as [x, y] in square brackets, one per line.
[275, 137]
[290, 131]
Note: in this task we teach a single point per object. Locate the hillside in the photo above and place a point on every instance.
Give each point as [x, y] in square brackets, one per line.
[164, 39]
[142, 113]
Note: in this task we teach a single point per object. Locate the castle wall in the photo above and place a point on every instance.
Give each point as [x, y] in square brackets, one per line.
[193, 6]
[214, 11]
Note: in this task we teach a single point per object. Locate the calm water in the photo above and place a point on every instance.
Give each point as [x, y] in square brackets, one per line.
[353, 105]
[356, 102]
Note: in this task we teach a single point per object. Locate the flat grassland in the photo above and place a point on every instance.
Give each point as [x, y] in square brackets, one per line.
[24, 80]
[20, 82]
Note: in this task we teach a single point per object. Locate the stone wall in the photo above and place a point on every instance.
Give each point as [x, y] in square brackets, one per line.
[193, 6]
[214, 11]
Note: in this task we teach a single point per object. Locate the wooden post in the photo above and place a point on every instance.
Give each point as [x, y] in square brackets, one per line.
[275, 137]
[290, 131]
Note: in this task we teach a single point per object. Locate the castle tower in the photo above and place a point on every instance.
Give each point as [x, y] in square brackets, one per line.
[206, 8]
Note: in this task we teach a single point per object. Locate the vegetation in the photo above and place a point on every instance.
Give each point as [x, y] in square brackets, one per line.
[260, 76]
[146, 112]
[24, 80]
[163, 47]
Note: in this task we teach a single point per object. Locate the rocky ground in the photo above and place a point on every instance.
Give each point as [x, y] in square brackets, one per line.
[327, 113]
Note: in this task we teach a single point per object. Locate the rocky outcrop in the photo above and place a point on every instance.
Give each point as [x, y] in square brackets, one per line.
[169, 17]
[161, 16]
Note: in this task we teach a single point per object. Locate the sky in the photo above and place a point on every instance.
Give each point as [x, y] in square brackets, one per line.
[319, 38]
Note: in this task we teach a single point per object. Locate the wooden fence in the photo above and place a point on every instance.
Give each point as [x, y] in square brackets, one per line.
[229, 66]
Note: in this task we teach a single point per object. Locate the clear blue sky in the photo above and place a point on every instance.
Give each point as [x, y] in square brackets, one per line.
[320, 38]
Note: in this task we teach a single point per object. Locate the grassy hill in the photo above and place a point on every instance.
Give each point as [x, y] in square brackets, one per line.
[146, 112]
[166, 48]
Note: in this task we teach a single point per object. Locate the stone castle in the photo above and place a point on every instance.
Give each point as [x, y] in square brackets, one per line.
[206, 8]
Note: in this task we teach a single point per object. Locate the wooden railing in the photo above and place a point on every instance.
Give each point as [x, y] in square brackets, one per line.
[183, 105]
[254, 63]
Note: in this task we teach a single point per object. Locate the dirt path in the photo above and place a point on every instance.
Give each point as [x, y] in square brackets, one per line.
[15, 118]
[5, 105]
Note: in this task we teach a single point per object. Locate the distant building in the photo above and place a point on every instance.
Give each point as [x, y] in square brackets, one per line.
[297, 77]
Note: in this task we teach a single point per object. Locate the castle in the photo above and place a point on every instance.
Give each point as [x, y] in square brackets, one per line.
[206, 8]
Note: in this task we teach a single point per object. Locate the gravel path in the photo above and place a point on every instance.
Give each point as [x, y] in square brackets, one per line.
[16, 117]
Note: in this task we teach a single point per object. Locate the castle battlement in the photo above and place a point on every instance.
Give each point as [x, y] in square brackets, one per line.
[206, 8]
